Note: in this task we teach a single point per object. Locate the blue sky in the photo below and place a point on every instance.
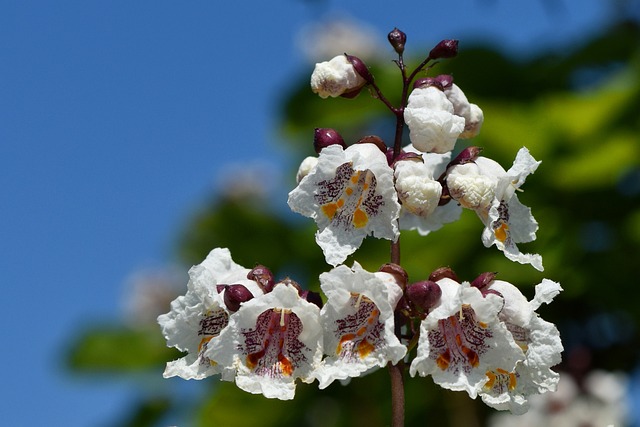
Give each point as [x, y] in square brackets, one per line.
[116, 119]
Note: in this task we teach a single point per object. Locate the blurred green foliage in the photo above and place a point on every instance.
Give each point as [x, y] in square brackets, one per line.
[578, 111]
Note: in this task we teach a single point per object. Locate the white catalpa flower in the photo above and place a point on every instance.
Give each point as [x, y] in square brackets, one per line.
[306, 166]
[419, 193]
[462, 339]
[197, 318]
[433, 126]
[485, 187]
[472, 114]
[270, 342]
[358, 323]
[540, 341]
[350, 194]
[335, 77]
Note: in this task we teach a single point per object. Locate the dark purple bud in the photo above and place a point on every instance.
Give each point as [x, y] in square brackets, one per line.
[483, 280]
[360, 68]
[426, 82]
[373, 139]
[445, 80]
[443, 272]
[444, 49]
[399, 273]
[424, 295]
[352, 93]
[445, 197]
[312, 297]
[397, 39]
[220, 288]
[468, 155]
[288, 281]
[324, 137]
[235, 295]
[263, 277]
[409, 156]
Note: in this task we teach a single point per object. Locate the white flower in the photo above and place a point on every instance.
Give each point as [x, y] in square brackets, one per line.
[539, 339]
[306, 166]
[350, 194]
[197, 318]
[485, 187]
[462, 339]
[358, 323]
[433, 126]
[472, 114]
[419, 193]
[270, 342]
[335, 77]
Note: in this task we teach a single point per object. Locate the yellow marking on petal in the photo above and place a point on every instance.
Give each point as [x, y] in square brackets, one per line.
[360, 218]
[349, 191]
[513, 381]
[365, 348]
[343, 339]
[361, 331]
[340, 203]
[355, 176]
[285, 365]
[501, 232]
[329, 210]
[282, 319]
[492, 380]
[203, 341]
[443, 360]
[482, 325]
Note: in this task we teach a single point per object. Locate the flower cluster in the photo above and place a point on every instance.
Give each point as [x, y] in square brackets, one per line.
[481, 336]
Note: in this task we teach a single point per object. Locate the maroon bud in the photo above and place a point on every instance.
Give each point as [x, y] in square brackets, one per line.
[409, 155]
[468, 155]
[445, 197]
[399, 273]
[360, 68]
[444, 49]
[263, 277]
[443, 272]
[312, 297]
[483, 280]
[288, 281]
[220, 288]
[235, 295]
[424, 295]
[397, 39]
[352, 93]
[445, 80]
[426, 82]
[373, 139]
[324, 137]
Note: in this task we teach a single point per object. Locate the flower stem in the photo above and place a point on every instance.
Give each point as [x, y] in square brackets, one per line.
[396, 372]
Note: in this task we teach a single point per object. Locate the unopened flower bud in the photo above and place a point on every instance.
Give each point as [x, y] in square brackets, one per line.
[483, 280]
[373, 139]
[291, 282]
[397, 39]
[399, 273]
[312, 297]
[336, 77]
[324, 137]
[468, 155]
[307, 165]
[263, 277]
[445, 80]
[424, 295]
[442, 273]
[444, 49]
[425, 82]
[360, 67]
[235, 295]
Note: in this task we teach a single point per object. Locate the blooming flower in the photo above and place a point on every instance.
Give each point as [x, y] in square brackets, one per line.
[197, 318]
[540, 341]
[433, 125]
[485, 187]
[419, 193]
[462, 339]
[358, 322]
[350, 194]
[270, 342]
[335, 77]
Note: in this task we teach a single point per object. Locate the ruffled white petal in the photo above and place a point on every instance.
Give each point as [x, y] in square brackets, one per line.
[335, 77]
[270, 342]
[358, 323]
[350, 194]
